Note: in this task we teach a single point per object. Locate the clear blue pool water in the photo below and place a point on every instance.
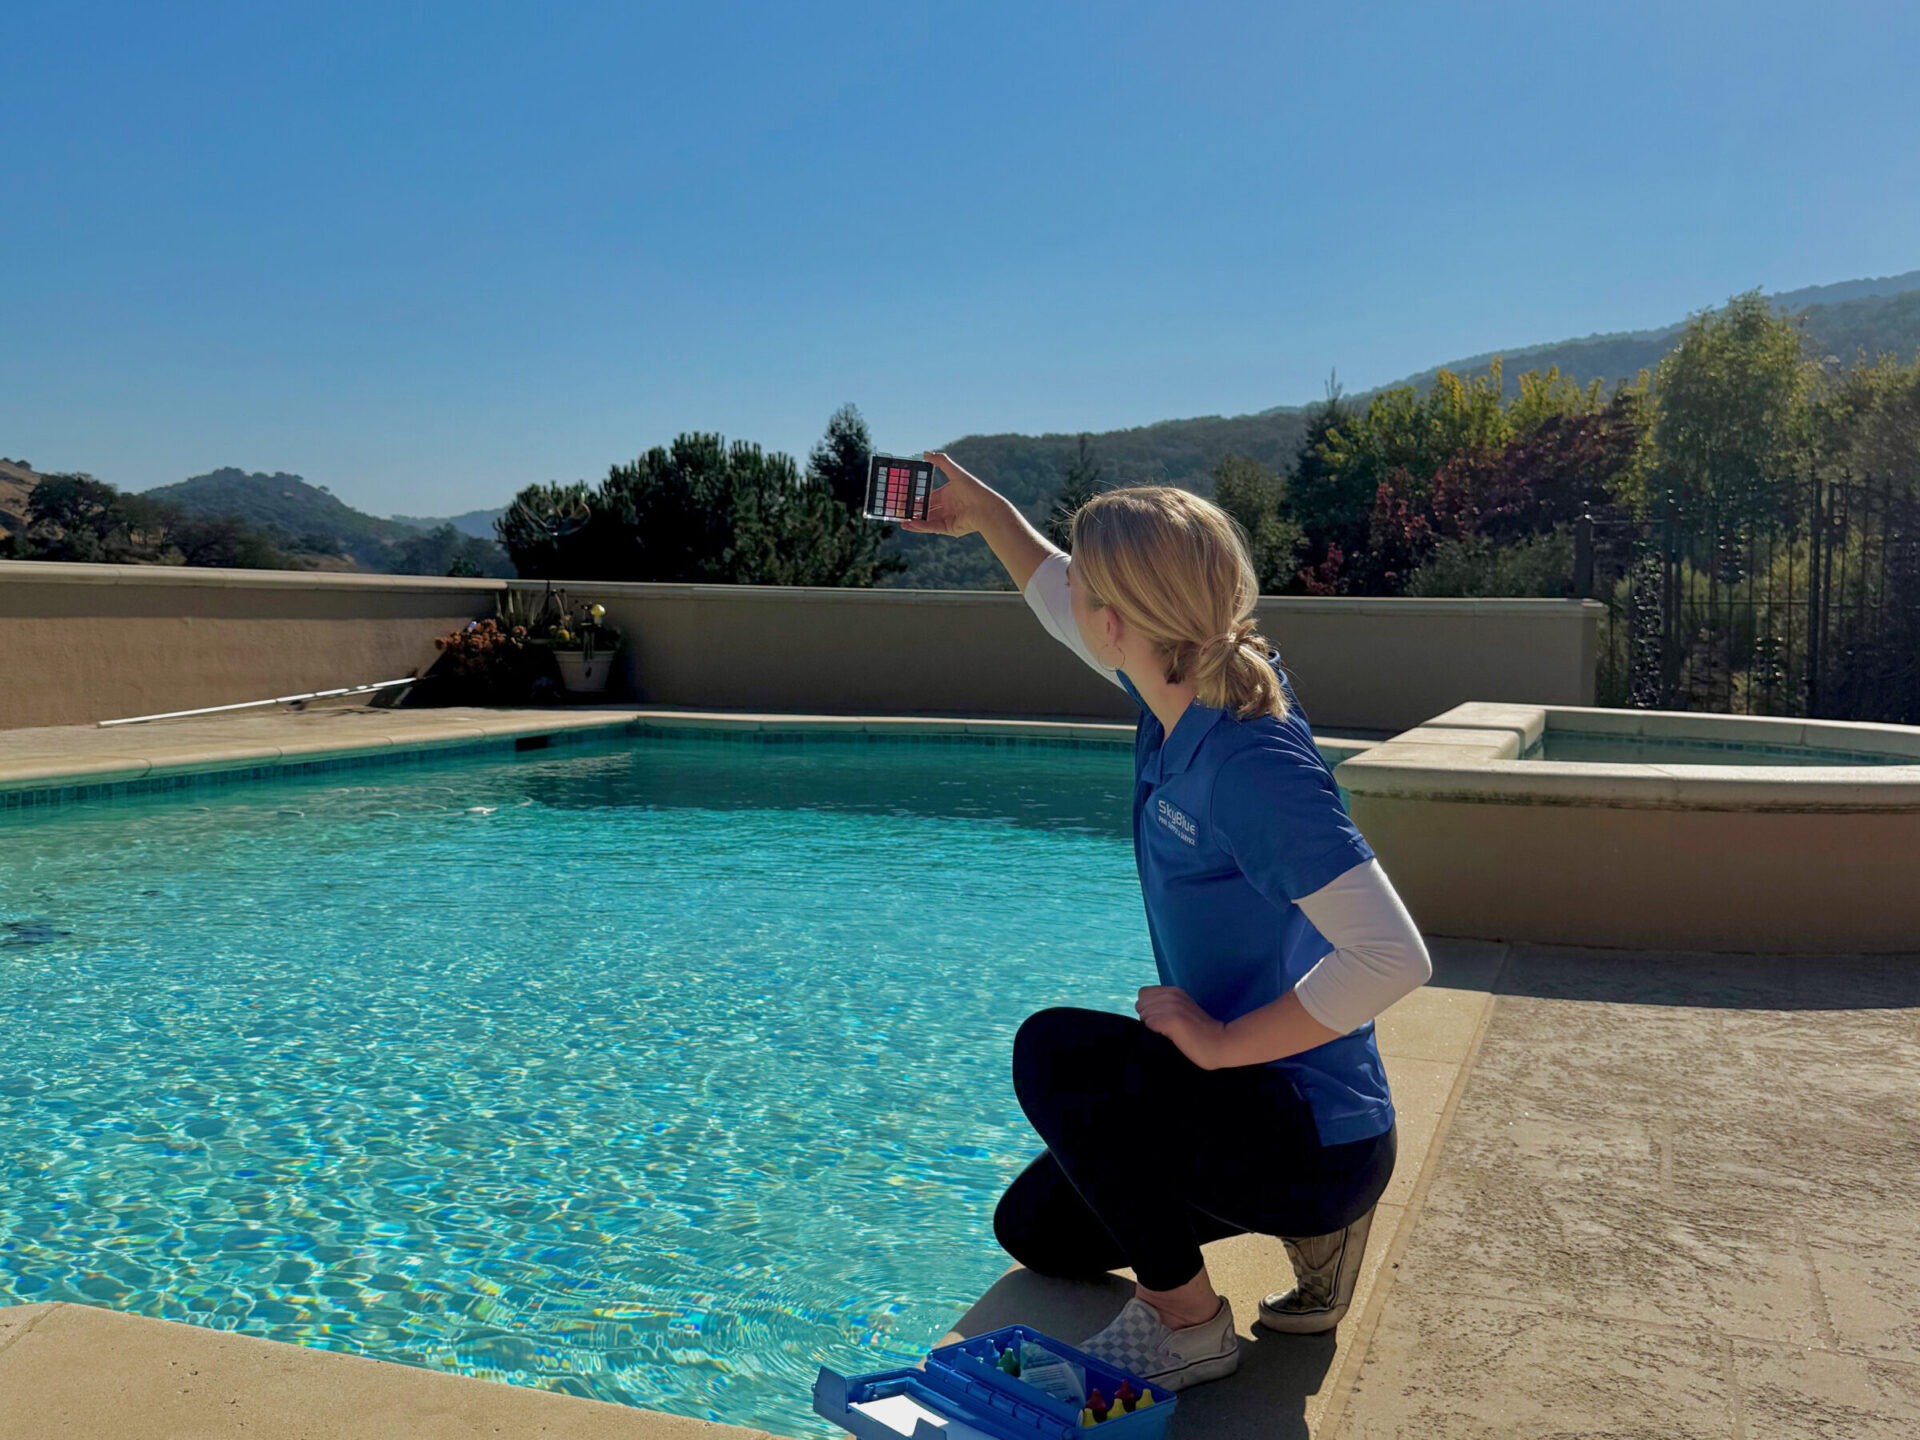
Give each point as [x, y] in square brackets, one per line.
[660, 1072]
[1591, 747]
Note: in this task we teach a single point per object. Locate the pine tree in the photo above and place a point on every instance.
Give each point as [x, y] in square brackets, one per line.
[1077, 486]
[840, 460]
[1256, 498]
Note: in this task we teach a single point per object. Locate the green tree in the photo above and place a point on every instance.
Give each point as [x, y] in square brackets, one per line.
[1256, 498]
[1405, 430]
[76, 517]
[1866, 422]
[841, 458]
[1078, 485]
[1399, 443]
[700, 510]
[532, 549]
[1549, 395]
[223, 542]
[1316, 499]
[1734, 419]
[1474, 565]
[839, 463]
[446, 551]
[1374, 492]
[72, 517]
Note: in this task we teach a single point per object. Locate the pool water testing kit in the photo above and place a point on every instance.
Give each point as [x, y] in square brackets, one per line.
[1013, 1383]
[898, 489]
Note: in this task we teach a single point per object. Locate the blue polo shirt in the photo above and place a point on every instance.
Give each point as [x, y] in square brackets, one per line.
[1233, 821]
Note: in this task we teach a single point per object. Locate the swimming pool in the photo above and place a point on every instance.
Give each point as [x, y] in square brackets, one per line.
[659, 1071]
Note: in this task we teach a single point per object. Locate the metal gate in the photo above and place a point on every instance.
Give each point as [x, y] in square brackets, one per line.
[1809, 604]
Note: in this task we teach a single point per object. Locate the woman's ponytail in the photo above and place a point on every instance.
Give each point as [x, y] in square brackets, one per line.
[1176, 568]
[1230, 672]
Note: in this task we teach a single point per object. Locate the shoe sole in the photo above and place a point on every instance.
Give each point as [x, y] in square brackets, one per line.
[1197, 1372]
[1311, 1322]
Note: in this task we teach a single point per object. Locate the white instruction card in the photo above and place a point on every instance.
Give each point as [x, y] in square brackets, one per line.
[900, 1413]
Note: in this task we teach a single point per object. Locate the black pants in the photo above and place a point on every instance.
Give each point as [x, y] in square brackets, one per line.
[1149, 1157]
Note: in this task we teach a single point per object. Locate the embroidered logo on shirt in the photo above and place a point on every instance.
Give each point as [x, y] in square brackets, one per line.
[1178, 821]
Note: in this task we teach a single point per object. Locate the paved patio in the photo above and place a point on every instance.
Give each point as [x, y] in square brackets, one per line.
[1639, 1194]
[1679, 1197]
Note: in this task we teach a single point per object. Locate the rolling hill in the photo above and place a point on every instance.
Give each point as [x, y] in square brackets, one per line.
[1871, 316]
[286, 505]
[17, 479]
[1874, 316]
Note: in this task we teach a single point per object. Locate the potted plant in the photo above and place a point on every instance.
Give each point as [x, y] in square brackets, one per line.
[499, 660]
[490, 662]
[584, 647]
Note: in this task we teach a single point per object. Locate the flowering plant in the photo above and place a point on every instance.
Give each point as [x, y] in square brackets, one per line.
[488, 663]
[497, 660]
[508, 657]
[582, 627]
[481, 649]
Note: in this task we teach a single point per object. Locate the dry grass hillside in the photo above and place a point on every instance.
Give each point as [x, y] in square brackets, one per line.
[17, 479]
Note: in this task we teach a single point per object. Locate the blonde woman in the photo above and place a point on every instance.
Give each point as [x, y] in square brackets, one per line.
[1276, 934]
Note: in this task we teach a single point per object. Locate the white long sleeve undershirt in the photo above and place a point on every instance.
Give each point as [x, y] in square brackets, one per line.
[1047, 596]
[1378, 956]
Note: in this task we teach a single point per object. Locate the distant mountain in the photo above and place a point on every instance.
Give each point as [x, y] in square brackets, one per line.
[478, 523]
[287, 505]
[1874, 316]
[290, 509]
[1877, 316]
[1027, 470]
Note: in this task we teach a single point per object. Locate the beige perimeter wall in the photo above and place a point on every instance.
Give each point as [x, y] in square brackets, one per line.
[80, 643]
[94, 642]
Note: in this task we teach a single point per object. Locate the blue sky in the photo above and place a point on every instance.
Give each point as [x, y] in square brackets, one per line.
[428, 253]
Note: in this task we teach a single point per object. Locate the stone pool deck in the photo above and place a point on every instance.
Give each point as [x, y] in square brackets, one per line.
[1639, 1193]
[1679, 1196]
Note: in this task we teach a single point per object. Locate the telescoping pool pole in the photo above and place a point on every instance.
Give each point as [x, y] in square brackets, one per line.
[277, 700]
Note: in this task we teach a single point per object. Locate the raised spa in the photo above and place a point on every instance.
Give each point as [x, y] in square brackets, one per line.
[1635, 827]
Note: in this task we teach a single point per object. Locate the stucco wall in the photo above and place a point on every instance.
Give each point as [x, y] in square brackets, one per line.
[89, 642]
[1356, 664]
[80, 643]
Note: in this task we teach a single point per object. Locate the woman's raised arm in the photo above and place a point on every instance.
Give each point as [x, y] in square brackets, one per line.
[965, 505]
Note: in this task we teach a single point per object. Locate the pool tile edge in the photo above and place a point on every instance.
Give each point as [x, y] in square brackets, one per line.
[60, 766]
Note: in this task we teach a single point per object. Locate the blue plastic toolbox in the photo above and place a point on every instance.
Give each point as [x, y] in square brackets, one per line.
[971, 1396]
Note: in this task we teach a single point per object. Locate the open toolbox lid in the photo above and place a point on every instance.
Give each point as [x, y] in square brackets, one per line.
[963, 1395]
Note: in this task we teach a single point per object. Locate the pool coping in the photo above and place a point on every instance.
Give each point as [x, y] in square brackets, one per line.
[1472, 753]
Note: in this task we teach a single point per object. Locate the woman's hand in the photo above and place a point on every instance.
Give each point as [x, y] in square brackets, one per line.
[953, 509]
[1168, 1010]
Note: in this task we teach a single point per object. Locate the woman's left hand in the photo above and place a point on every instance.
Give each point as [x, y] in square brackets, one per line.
[1168, 1010]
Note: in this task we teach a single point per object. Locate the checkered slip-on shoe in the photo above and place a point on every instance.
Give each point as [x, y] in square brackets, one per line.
[1325, 1268]
[1139, 1342]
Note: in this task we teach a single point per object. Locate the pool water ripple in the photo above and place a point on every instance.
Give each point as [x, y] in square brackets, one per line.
[660, 1072]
